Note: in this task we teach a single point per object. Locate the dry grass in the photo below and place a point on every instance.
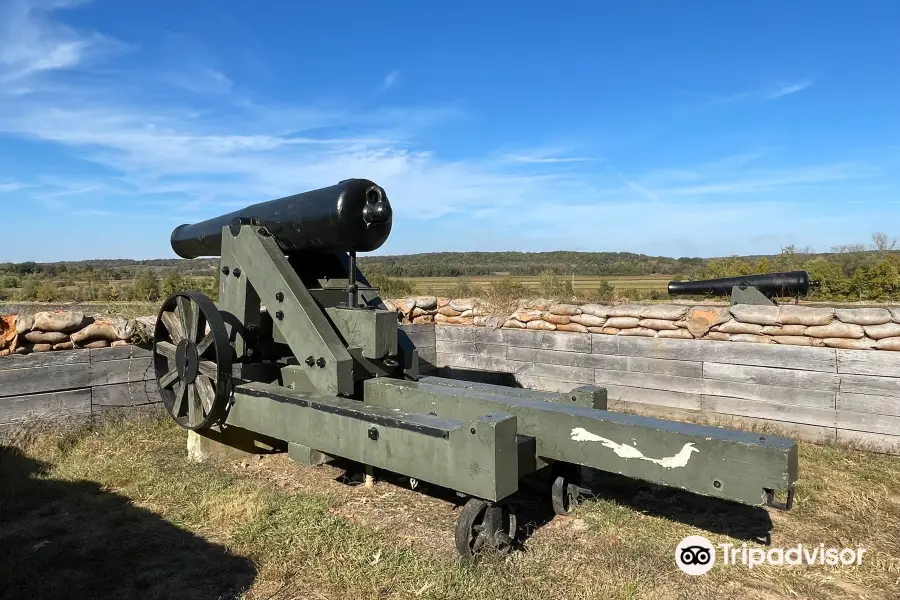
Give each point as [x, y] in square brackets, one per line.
[115, 510]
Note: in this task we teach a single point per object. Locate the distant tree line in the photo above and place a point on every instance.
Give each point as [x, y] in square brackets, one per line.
[851, 272]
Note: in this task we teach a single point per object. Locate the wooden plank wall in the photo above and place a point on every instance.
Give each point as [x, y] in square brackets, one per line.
[75, 383]
[86, 382]
[815, 393]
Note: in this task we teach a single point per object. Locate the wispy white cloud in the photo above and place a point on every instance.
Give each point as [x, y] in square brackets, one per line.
[762, 94]
[788, 88]
[389, 81]
[31, 43]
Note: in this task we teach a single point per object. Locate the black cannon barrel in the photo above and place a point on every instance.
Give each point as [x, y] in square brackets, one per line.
[353, 216]
[792, 283]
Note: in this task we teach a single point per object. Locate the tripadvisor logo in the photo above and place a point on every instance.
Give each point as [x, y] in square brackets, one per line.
[696, 555]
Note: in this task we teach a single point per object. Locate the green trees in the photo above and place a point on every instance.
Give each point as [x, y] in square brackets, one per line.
[146, 286]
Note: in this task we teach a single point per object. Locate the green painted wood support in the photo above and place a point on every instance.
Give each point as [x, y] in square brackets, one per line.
[256, 258]
[477, 456]
[712, 461]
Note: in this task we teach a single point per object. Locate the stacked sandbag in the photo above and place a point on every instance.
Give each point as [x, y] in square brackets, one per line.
[849, 328]
[61, 330]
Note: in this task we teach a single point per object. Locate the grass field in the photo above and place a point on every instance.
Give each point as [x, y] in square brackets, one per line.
[116, 511]
[441, 285]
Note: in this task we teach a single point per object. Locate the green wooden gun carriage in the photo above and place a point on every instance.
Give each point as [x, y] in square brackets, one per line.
[300, 349]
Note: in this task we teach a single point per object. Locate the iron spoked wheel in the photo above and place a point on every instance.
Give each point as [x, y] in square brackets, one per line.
[484, 527]
[193, 367]
[564, 495]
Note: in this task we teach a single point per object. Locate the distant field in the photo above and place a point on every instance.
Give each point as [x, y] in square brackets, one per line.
[439, 285]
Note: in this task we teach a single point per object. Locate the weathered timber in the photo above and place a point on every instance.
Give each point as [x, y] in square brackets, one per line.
[823, 417]
[44, 359]
[454, 333]
[490, 350]
[738, 353]
[871, 384]
[565, 341]
[448, 347]
[17, 382]
[119, 353]
[866, 403]
[50, 405]
[866, 362]
[683, 400]
[691, 385]
[771, 376]
[120, 371]
[607, 362]
[563, 372]
[788, 396]
[711, 461]
[134, 393]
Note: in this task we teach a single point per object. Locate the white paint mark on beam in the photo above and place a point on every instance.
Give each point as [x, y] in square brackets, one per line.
[580, 434]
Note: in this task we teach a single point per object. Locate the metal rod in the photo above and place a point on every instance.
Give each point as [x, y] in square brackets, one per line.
[352, 288]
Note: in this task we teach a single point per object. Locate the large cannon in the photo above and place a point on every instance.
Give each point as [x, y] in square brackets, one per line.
[301, 354]
[761, 289]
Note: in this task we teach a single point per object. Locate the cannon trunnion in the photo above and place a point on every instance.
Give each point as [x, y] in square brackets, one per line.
[301, 353]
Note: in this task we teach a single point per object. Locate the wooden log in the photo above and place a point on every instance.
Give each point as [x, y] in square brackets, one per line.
[121, 371]
[668, 398]
[867, 362]
[565, 341]
[45, 359]
[125, 394]
[490, 350]
[763, 355]
[879, 405]
[870, 384]
[692, 385]
[447, 347]
[792, 378]
[49, 405]
[454, 334]
[19, 382]
[119, 353]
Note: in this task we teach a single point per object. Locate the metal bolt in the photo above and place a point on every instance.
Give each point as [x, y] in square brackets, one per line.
[373, 433]
[279, 296]
[310, 361]
[279, 314]
[226, 270]
[321, 362]
[236, 272]
[717, 484]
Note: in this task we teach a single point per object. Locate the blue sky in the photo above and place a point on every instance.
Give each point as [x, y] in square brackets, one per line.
[685, 129]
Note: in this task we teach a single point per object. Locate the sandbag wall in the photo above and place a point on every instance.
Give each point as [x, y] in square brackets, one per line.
[845, 328]
[61, 330]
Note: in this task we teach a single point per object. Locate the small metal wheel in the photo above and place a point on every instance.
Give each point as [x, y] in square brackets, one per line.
[564, 495]
[484, 527]
[193, 368]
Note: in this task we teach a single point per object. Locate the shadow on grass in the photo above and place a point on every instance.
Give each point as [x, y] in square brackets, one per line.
[62, 539]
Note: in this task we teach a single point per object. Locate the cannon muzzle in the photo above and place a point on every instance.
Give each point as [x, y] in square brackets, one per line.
[771, 285]
[352, 216]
